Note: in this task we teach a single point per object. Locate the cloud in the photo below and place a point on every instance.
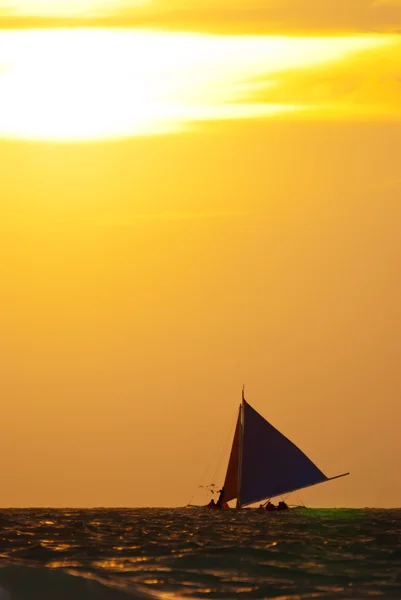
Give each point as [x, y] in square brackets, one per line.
[367, 84]
[62, 8]
[126, 221]
[218, 16]
[133, 220]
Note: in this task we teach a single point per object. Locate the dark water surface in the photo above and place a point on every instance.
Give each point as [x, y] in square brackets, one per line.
[191, 553]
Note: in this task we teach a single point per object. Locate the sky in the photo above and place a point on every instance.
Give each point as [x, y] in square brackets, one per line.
[194, 197]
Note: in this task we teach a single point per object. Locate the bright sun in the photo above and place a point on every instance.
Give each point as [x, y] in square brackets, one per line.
[86, 84]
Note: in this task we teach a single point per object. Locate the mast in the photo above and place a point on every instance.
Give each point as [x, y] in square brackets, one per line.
[241, 439]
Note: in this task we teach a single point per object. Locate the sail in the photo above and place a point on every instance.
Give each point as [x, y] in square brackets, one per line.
[230, 488]
[271, 464]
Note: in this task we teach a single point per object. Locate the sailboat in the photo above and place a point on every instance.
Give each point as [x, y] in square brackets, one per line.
[264, 464]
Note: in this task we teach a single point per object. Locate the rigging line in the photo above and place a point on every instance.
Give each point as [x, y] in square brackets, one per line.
[215, 454]
[203, 478]
[225, 442]
[297, 496]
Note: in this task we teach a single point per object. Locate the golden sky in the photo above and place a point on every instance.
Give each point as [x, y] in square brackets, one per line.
[193, 197]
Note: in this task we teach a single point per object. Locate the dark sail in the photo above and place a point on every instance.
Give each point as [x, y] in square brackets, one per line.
[271, 464]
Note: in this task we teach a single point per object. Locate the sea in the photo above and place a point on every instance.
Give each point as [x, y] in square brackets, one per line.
[147, 554]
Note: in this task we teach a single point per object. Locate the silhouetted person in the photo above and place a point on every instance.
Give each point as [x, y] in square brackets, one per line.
[270, 506]
[220, 502]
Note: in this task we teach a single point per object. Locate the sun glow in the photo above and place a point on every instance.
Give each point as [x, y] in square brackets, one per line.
[87, 84]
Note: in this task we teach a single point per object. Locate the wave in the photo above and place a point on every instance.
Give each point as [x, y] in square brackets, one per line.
[19, 582]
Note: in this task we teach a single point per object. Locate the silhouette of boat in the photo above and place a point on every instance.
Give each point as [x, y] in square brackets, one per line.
[264, 464]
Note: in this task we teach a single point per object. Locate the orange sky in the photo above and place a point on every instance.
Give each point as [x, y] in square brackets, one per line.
[169, 233]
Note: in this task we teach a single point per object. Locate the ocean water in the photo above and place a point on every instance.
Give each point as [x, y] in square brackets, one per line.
[193, 553]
